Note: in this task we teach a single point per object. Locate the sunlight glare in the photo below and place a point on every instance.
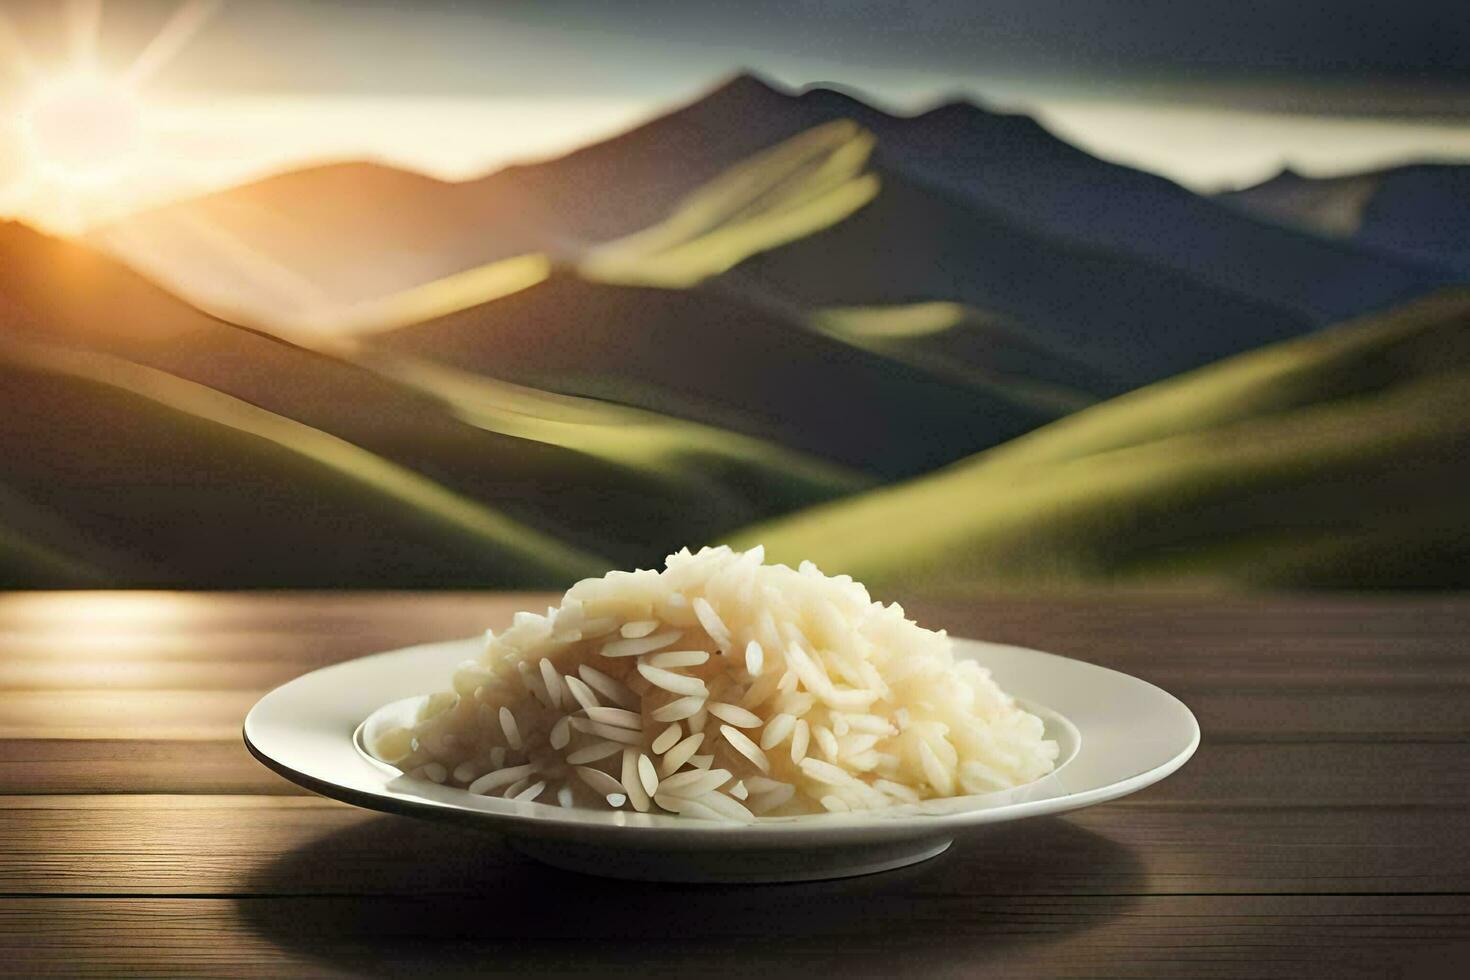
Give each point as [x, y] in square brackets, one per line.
[188, 19]
[84, 24]
[83, 140]
[82, 128]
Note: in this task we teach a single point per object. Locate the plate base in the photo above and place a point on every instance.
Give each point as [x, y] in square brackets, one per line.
[753, 866]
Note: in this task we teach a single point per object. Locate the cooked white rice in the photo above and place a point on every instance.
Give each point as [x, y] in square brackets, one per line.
[721, 688]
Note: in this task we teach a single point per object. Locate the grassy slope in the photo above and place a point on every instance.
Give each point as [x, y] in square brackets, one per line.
[719, 471]
[40, 549]
[217, 492]
[1338, 459]
[969, 346]
[628, 486]
[708, 359]
[28, 563]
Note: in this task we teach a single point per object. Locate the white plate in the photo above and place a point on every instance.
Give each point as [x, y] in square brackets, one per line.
[1117, 734]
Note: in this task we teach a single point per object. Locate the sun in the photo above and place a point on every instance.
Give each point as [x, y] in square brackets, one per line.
[83, 129]
[82, 140]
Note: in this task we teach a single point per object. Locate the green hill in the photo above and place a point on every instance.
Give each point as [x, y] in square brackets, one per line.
[625, 485]
[213, 491]
[969, 346]
[39, 551]
[707, 358]
[1336, 460]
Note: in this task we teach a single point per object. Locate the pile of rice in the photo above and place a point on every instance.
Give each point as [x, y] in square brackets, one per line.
[721, 688]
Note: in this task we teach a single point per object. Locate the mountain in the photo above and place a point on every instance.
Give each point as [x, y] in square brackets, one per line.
[631, 324]
[812, 224]
[300, 250]
[787, 238]
[1333, 460]
[1132, 322]
[737, 310]
[1013, 164]
[297, 250]
[572, 474]
[1420, 212]
[1008, 164]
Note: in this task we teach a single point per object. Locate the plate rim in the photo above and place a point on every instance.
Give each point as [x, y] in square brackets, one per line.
[835, 829]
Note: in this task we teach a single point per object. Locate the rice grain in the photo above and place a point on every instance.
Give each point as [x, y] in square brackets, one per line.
[667, 739]
[672, 682]
[678, 710]
[735, 715]
[640, 645]
[741, 743]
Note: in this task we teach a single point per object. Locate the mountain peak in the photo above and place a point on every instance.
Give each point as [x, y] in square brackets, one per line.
[746, 84]
[960, 109]
[744, 95]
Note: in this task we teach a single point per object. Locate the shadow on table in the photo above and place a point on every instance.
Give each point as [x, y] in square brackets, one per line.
[390, 895]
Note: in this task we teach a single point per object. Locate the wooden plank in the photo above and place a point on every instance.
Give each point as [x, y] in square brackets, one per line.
[1147, 611]
[151, 715]
[312, 643]
[134, 766]
[1170, 627]
[201, 614]
[1267, 668]
[228, 642]
[1229, 713]
[885, 925]
[233, 673]
[259, 663]
[1222, 773]
[255, 845]
[1246, 714]
[1325, 774]
[256, 666]
[1275, 636]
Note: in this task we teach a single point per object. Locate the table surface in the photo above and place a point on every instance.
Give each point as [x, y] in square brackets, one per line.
[1322, 828]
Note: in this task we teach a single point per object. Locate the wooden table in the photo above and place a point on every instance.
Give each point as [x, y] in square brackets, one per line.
[1321, 830]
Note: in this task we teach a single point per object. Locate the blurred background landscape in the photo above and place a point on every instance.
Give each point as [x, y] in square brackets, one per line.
[1016, 295]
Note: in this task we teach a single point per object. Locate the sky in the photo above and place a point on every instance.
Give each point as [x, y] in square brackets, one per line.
[111, 107]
